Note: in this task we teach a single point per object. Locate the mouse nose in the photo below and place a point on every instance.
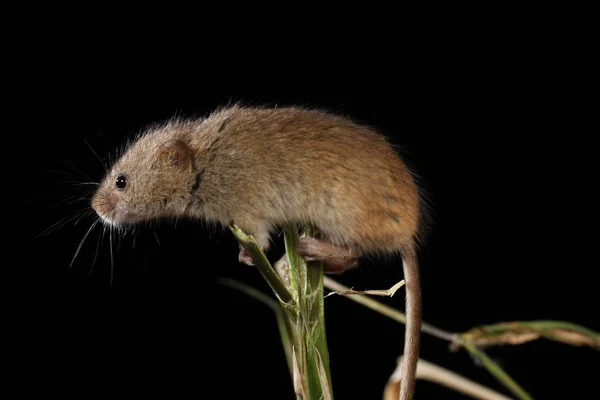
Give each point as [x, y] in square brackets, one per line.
[103, 203]
[94, 203]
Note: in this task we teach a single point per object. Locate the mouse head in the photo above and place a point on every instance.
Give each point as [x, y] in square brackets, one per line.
[153, 179]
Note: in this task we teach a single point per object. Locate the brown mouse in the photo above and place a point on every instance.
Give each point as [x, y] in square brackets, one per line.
[260, 168]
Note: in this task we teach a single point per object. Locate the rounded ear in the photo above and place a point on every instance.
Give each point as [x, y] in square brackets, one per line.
[175, 153]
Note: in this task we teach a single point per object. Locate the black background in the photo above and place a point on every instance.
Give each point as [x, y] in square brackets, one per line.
[502, 150]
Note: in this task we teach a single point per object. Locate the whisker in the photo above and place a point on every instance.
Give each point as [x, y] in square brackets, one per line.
[62, 201]
[85, 215]
[119, 239]
[81, 243]
[59, 224]
[76, 169]
[112, 261]
[77, 183]
[96, 154]
[82, 198]
[96, 254]
[47, 195]
[69, 174]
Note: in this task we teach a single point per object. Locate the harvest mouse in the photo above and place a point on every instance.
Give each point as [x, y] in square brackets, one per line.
[260, 168]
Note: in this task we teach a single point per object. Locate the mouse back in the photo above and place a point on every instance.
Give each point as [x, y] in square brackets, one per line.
[293, 164]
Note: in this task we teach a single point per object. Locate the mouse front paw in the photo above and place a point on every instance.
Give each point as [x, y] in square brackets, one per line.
[245, 258]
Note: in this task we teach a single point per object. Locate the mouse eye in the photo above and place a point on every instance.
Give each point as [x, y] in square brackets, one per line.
[121, 182]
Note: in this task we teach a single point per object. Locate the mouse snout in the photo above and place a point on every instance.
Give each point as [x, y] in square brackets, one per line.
[112, 210]
[104, 204]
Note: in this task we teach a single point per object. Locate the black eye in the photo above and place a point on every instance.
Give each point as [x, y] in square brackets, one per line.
[121, 182]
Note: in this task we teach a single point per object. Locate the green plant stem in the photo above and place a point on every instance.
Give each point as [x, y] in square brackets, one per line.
[286, 331]
[444, 377]
[263, 265]
[303, 332]
[496, 371]
[306, 282]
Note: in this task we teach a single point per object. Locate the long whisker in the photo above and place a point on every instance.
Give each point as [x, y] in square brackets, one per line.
[96, 154]
[103, 231]
[78, 183]
[60, 223]
[76, 169]
[85, 215]
[84, 197]
[69, 174]
[124, 231]
[96, 254]
[62, 201]
[112, 262]
[81, 243]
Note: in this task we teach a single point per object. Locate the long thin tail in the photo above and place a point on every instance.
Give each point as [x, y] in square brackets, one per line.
[410, 265]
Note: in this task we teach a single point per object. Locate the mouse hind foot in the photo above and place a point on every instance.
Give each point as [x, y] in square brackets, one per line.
[336, 259]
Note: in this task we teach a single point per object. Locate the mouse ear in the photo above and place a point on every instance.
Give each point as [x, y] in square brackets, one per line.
[174, 152]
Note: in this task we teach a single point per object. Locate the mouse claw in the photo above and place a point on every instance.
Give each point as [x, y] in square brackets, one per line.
[245, 258]
[282, 267]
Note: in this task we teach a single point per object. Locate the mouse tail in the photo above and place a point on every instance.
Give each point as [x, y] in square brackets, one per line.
[410, 266]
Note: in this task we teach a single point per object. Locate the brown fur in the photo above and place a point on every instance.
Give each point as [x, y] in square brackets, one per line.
[261, 168]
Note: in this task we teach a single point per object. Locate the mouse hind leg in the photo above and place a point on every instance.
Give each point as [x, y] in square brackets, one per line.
[336, 259]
